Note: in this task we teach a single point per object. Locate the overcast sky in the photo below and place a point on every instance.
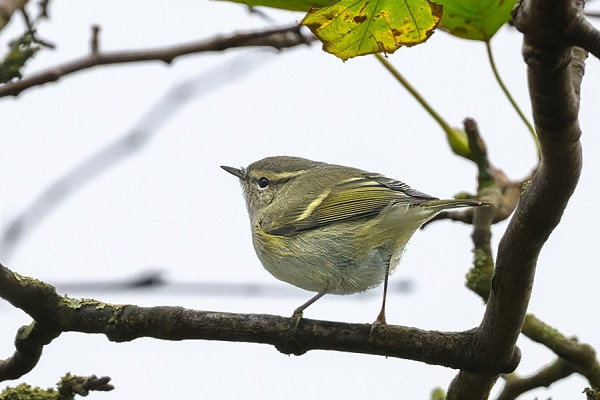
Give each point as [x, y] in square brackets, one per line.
[170, 208]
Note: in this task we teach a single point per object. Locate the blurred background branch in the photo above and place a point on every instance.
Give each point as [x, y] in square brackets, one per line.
[148, 125]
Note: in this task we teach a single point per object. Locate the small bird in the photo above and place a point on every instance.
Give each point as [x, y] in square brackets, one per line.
[331, 229]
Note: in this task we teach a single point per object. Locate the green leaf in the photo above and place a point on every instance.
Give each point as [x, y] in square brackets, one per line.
[475, 19]
[292, 5]
[350, 28]
[21, 51]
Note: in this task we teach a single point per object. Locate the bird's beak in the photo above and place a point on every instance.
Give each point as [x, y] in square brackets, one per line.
[234, 171]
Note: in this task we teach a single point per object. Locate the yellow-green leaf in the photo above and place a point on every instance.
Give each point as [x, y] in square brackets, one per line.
[475, 19]
[350, 28]
[292, 5]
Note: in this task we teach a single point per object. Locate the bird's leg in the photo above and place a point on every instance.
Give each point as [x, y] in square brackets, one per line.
[298, 311]
[381, 317]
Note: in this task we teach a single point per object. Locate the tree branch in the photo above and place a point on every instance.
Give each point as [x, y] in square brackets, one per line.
[489, 189]
[8, 8]
[556, 107]
[586, 36]
[579, 357]
[553, 84]
[278, 38]
[54, 314]
[66, 389]
[516, 386]
[29, 343]
[70, 385]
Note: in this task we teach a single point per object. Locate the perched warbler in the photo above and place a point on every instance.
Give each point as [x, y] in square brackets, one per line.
[329, 228]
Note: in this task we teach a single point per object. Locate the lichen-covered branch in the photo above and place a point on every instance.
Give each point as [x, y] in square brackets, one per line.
[29, 343]
[67, 388]
[578, 357]
[489, 189]
[515, 386]
[54, 314]
[581, 356]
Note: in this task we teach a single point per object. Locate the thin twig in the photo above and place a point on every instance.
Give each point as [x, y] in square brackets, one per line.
[95, 42]
[33, 31]
[43, 9]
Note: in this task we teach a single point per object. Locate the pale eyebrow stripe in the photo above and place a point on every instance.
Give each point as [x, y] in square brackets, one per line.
[278, 175]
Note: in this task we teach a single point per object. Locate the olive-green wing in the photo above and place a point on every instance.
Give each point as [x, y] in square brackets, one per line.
[352, 199]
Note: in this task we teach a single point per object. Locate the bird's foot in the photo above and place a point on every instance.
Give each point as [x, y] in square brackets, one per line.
[296, 317]
[380, 320]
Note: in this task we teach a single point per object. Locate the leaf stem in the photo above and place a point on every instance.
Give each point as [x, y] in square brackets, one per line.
[392, 70]
[456, 138]
[512, 101]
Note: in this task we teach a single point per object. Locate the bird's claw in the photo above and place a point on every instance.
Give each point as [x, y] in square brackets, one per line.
[380, 320]
[296, 317]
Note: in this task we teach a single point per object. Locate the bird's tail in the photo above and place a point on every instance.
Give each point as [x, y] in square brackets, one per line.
[440, 205]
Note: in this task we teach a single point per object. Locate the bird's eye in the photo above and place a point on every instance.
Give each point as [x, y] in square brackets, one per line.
[263, 182]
